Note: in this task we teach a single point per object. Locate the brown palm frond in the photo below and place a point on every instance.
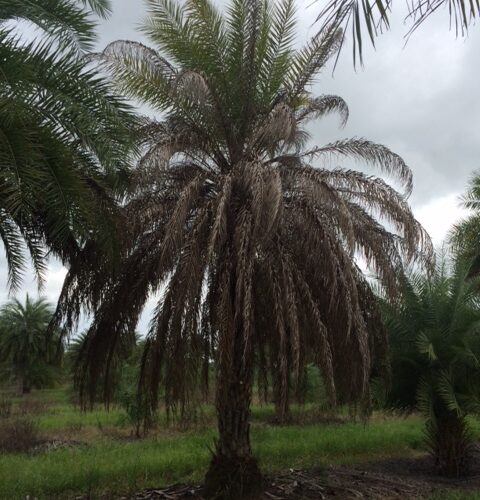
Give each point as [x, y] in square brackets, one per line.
[321, 106]
[375, 154]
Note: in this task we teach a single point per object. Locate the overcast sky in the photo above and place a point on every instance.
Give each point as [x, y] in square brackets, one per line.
[421, 100]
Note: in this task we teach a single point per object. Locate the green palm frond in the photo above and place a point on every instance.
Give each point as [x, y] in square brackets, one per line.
[372, 18]
[435, 349]
[66, 142]
[28, 351]
[425, 346]
[446, 391]
[425, 399]
[66, 21]
[465, 235]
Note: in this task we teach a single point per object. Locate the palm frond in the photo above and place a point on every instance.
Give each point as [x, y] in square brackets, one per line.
[372, 18]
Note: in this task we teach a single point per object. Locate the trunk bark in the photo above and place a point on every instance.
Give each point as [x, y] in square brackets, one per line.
[281, 397]
[233, 472]
[280, 383]
[26, 389]
[451, 444]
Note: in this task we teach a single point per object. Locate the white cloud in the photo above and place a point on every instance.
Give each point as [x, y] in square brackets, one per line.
[438, 215]
[420, 100]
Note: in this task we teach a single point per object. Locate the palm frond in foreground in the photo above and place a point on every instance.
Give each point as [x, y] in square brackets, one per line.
[65, 137]
[367, 20]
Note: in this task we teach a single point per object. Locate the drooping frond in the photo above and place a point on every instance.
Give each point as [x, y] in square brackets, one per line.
[250, 240]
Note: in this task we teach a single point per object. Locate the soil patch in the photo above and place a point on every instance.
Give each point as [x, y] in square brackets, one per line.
[385, 480]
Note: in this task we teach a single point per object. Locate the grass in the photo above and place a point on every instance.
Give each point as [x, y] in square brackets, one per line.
[113, 466]
[119, 465]
[456, 495]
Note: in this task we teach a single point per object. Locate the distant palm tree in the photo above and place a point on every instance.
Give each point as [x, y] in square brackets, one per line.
[465, 235]
[78, 348]
[247, 235]
[435, 356]
[65, 137]
[29, 354]
[372, 18]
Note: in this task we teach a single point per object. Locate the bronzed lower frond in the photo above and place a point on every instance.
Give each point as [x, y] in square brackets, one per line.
[253, 242]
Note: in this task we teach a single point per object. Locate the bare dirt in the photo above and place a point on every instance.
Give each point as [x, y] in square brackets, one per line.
[385, 480]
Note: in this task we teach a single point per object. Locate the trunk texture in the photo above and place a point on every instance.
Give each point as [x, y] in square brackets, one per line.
[233, 472]
[281, 397]
[451, 445]
[26, 389]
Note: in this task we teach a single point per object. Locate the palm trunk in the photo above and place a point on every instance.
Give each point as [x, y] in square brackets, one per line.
[450, 443]
[25, 386]
[233, 472]
[281, 396]
[279, 362]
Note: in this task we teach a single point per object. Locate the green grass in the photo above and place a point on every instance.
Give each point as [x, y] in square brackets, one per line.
[456, 495]
[65, 417]
[112, 466]
[110, 463]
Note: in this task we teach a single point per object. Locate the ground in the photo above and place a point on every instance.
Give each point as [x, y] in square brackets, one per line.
[341, 482]
[96, 455]
[409, 478]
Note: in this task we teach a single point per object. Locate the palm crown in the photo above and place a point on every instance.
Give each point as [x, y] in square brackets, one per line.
[65, 137]
[435, 348]
[250, 238]
[30, 355]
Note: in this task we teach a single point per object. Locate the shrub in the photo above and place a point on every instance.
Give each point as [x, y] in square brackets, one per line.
[28, 407]
[137, 409]
[18, 435]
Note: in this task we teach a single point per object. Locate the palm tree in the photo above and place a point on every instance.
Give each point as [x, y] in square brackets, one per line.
[465, 235]
[78, 348]
[29, 354]
[435, 359]
[373, 18]
[65, 137]
[246, 233]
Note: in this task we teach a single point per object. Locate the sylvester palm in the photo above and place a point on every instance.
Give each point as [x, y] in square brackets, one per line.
[65, 137]
[29, 354]
[246, 234]
[373, 18]
[435, 351]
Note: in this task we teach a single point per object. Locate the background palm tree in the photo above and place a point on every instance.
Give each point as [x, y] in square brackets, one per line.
[465, 234]
[29, 354]
[435, 355]
[65, 137]
[78, 348]
[373, 17]
[247, 234]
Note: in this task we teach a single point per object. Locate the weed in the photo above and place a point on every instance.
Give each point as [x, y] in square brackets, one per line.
[6, 406]
[18, 435]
